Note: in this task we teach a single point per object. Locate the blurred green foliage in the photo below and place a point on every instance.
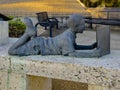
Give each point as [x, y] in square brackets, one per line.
[11, 17]
[16, 28]
[101, 3]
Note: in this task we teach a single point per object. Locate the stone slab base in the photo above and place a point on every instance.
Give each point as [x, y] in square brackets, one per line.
[68, 85]
[38, 83]
[3, 80]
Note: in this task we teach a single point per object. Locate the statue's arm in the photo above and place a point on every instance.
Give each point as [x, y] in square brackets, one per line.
[85, 47]
[85, 53]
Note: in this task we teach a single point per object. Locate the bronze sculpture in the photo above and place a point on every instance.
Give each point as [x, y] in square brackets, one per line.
[63, 44]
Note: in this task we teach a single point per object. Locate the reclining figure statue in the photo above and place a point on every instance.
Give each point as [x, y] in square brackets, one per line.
[63, 44]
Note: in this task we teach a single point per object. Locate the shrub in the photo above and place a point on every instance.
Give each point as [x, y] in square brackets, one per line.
[11, 17]
[16, 28]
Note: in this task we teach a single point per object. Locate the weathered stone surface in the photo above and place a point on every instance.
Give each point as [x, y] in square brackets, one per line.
[100, 71]
[3, 80]
[4, 63]
[18, 65]
[17, 82]
[4, 69]
[96, 87]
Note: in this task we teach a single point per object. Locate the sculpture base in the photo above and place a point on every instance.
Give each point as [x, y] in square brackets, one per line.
[47, 72]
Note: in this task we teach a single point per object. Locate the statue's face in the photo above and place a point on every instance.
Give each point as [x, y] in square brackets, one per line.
[76, 23]
[79, 27]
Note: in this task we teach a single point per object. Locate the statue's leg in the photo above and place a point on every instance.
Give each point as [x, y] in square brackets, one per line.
[13, 49]
[32, 47]
[29, 33]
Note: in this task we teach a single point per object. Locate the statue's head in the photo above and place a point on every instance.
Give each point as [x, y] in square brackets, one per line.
[76, 23]
[28, 22]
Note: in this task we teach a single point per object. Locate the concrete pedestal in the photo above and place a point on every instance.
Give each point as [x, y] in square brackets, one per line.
[41, 72]
[3, 32]
[39, 83]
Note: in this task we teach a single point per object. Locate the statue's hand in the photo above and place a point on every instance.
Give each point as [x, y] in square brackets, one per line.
[31, 32]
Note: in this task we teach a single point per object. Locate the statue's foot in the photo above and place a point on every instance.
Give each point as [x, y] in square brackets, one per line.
[31, 31]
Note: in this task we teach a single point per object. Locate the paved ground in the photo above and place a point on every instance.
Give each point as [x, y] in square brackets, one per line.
[88, 37]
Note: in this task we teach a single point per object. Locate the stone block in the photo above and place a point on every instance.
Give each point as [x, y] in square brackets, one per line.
[17, 65]
[103, 39]
[3, 32]
[103, 71]
[4, 64]
[97, 87]
[39, 83]
[17, 81]
[3, 80]
[58, 84]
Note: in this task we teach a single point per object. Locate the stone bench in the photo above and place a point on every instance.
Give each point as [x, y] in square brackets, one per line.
[38, 72]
